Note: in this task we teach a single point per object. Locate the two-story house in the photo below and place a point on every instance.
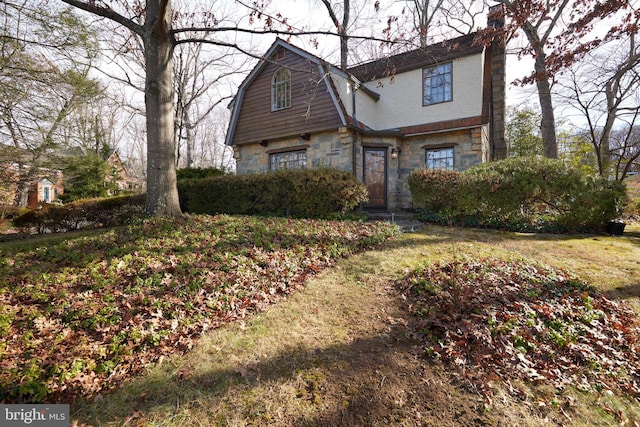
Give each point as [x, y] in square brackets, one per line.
[119, 175]
[438, 107]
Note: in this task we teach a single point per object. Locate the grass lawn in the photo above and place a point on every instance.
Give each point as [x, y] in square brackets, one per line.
[340, 350]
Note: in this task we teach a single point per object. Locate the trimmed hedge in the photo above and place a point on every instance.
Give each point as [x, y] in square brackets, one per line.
[81, 214]
[520, 194]
[198, 173]
[302, 193]
[306, 193]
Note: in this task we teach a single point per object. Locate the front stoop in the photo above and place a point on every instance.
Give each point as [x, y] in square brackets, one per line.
[405, 220]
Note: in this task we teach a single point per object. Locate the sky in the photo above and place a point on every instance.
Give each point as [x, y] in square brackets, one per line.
[311, 14]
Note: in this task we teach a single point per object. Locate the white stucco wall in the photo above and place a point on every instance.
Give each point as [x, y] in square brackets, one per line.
[400, 102]
[366, 106]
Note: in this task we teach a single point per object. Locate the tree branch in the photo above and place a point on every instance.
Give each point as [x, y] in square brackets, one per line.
[554, 21]
[258, 32]
[106, 12]
[219, 43]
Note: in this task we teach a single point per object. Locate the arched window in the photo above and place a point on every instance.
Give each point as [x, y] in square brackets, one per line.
[281, 89]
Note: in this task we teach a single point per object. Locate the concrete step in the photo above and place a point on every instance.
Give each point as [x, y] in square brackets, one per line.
[391, 215]
[405, 220]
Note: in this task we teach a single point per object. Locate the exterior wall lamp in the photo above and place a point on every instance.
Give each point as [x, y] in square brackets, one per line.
[263, 142]
[306, 136]
[395, 152]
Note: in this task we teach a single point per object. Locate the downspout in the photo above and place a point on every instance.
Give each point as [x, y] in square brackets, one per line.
[355, 134]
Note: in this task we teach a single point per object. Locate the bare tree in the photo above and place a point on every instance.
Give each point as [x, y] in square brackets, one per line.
[342, 25]
[464, 16]
[625, 149]
[444, 16]
[209, 146]
[135, 151]
[152, 22]
[605, 90]
[199, 89]
[424, 12]
[202, 76]
[559, 33]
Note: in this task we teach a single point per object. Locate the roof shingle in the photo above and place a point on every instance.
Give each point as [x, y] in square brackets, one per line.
[418, 58]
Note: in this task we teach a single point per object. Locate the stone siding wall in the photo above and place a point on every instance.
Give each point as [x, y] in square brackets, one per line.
[470, 147]
[334, 149]
[330, 149]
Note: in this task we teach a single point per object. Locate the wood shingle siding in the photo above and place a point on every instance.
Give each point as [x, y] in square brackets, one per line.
[312, 107]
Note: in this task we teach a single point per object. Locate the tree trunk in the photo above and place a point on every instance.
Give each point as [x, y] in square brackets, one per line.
[22, 194]
[344, 51]
[611, 89]
[189, 137]
[344, 37]
[547, 123]
[162, 191]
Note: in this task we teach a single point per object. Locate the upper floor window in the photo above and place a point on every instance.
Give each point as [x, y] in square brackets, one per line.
[440, 158]
[281, 89]
[436, 84]
[288, 160]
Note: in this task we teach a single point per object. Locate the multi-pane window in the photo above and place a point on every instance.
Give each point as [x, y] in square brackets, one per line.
[440, 158]
[288, 160]
[281, 89]
[437, 84]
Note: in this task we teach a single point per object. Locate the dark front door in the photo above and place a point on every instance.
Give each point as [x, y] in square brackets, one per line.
[375, 177]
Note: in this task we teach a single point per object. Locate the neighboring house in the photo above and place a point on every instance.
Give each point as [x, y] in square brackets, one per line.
[439, 107]
[120, 175]
[47, 189]
[23, 185]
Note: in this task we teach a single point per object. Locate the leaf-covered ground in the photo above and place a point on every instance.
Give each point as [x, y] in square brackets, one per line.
[79, 316]
[499, 321]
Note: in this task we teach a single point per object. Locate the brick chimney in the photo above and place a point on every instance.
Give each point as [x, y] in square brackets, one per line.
[497, 54]
[495, 17]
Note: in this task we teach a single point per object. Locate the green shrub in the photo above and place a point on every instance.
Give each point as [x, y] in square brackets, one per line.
[303, 193]
[433, 189]
[633, 189]
[198, 173]
[88, 176]
[524, 194]
[594, 203]
[82, 213]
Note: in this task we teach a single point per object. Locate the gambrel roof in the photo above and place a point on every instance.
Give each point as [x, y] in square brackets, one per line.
[323, 69]
[252, 121]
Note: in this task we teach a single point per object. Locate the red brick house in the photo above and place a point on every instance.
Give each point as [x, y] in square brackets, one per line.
[47, 189]
[120, 175]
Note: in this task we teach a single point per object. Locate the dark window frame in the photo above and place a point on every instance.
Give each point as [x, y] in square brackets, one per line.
[449, 161]
[288, 160]
[438, 80]
[281, 89]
